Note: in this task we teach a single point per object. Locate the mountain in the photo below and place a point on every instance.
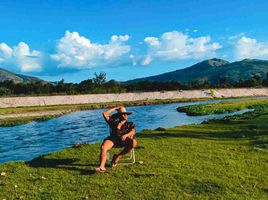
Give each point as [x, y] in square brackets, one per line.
[213, 70]
[17, 78]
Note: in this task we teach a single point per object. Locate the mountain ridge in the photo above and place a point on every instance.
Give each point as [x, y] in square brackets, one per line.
[6, 75]
[212, 70]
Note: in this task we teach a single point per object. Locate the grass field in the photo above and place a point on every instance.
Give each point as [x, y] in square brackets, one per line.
[219, 159]
[223, 107]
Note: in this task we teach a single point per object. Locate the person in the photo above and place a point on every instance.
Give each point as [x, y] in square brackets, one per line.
[121, 135]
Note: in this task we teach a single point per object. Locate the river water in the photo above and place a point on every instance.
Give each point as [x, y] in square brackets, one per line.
[28, 141]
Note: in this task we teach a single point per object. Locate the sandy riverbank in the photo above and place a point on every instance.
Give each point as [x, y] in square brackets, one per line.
[102, 98]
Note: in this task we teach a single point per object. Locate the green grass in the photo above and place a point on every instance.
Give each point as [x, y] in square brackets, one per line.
[8, 121]
[15, 121]
[220, 159]
[223, 107]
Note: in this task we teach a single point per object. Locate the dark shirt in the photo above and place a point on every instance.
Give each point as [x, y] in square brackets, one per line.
[125, 128]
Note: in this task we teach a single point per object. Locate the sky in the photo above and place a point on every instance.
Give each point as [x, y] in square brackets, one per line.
[127, 39]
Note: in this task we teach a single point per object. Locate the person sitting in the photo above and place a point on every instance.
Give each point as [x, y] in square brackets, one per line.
[121, 135]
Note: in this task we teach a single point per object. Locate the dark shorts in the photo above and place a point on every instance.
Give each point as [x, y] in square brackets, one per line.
[117, 141]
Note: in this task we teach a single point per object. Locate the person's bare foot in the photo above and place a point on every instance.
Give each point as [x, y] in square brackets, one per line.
[100, 170]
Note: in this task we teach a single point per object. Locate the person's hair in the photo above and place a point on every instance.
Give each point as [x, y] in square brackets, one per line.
[120, 117]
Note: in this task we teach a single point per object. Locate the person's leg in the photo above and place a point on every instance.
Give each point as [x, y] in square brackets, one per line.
[105, 147]
[129, 145]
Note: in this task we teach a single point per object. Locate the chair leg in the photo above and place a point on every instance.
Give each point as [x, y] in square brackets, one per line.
[132, 158]
[108, 158]
[133, 155]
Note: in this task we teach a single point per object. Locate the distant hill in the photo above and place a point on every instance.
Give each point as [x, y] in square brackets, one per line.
[213, 70]
[17, 78]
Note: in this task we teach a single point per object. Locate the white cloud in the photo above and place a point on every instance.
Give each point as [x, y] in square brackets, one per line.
[147, 60]
[152, 41]
[120, 38]
[236, 36]
[77, 51]
[247, 47]
[174, 46]
[21, 57]
[5, 52]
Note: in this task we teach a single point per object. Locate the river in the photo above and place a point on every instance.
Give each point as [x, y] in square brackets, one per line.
[28, 141]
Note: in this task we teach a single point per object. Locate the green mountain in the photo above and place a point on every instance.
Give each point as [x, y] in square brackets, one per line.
[17, 78]
[213, 70]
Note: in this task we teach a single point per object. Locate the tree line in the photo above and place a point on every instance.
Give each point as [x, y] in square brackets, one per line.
[98, 85]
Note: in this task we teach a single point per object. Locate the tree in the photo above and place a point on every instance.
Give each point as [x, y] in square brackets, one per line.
[255, 80]
[60, 87]
[85, 86]
[70, 88]
[265, 81]
[224, 82]
[99, 79]
[4, 91]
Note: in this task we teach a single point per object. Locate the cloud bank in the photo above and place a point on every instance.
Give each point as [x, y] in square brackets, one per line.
[247, 47]
[175, 46]
[20, 57]
[76, 51]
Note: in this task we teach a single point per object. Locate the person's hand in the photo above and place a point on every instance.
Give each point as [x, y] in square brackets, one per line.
[124, 137]
[119, 107]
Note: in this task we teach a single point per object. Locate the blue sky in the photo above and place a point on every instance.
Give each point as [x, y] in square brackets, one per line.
[127, 39]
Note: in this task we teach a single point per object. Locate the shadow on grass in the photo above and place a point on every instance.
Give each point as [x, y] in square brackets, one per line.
[67, 164]
[203, 187]
[260, 143]
[217, 131]
[201, 135]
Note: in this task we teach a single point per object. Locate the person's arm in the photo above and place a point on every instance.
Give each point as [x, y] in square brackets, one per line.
[132, 131]
[129, 134]
[106, 114]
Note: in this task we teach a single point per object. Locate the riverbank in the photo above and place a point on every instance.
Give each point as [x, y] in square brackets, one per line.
[220, 159]
[7, 102]
[222, 107]
[23, 115]
[21, 110]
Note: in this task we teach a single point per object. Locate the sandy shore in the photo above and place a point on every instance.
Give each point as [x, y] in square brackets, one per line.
[101, 98]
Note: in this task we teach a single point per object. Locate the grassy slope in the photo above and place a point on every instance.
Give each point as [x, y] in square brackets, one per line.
[223, 107]
[222, 159]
